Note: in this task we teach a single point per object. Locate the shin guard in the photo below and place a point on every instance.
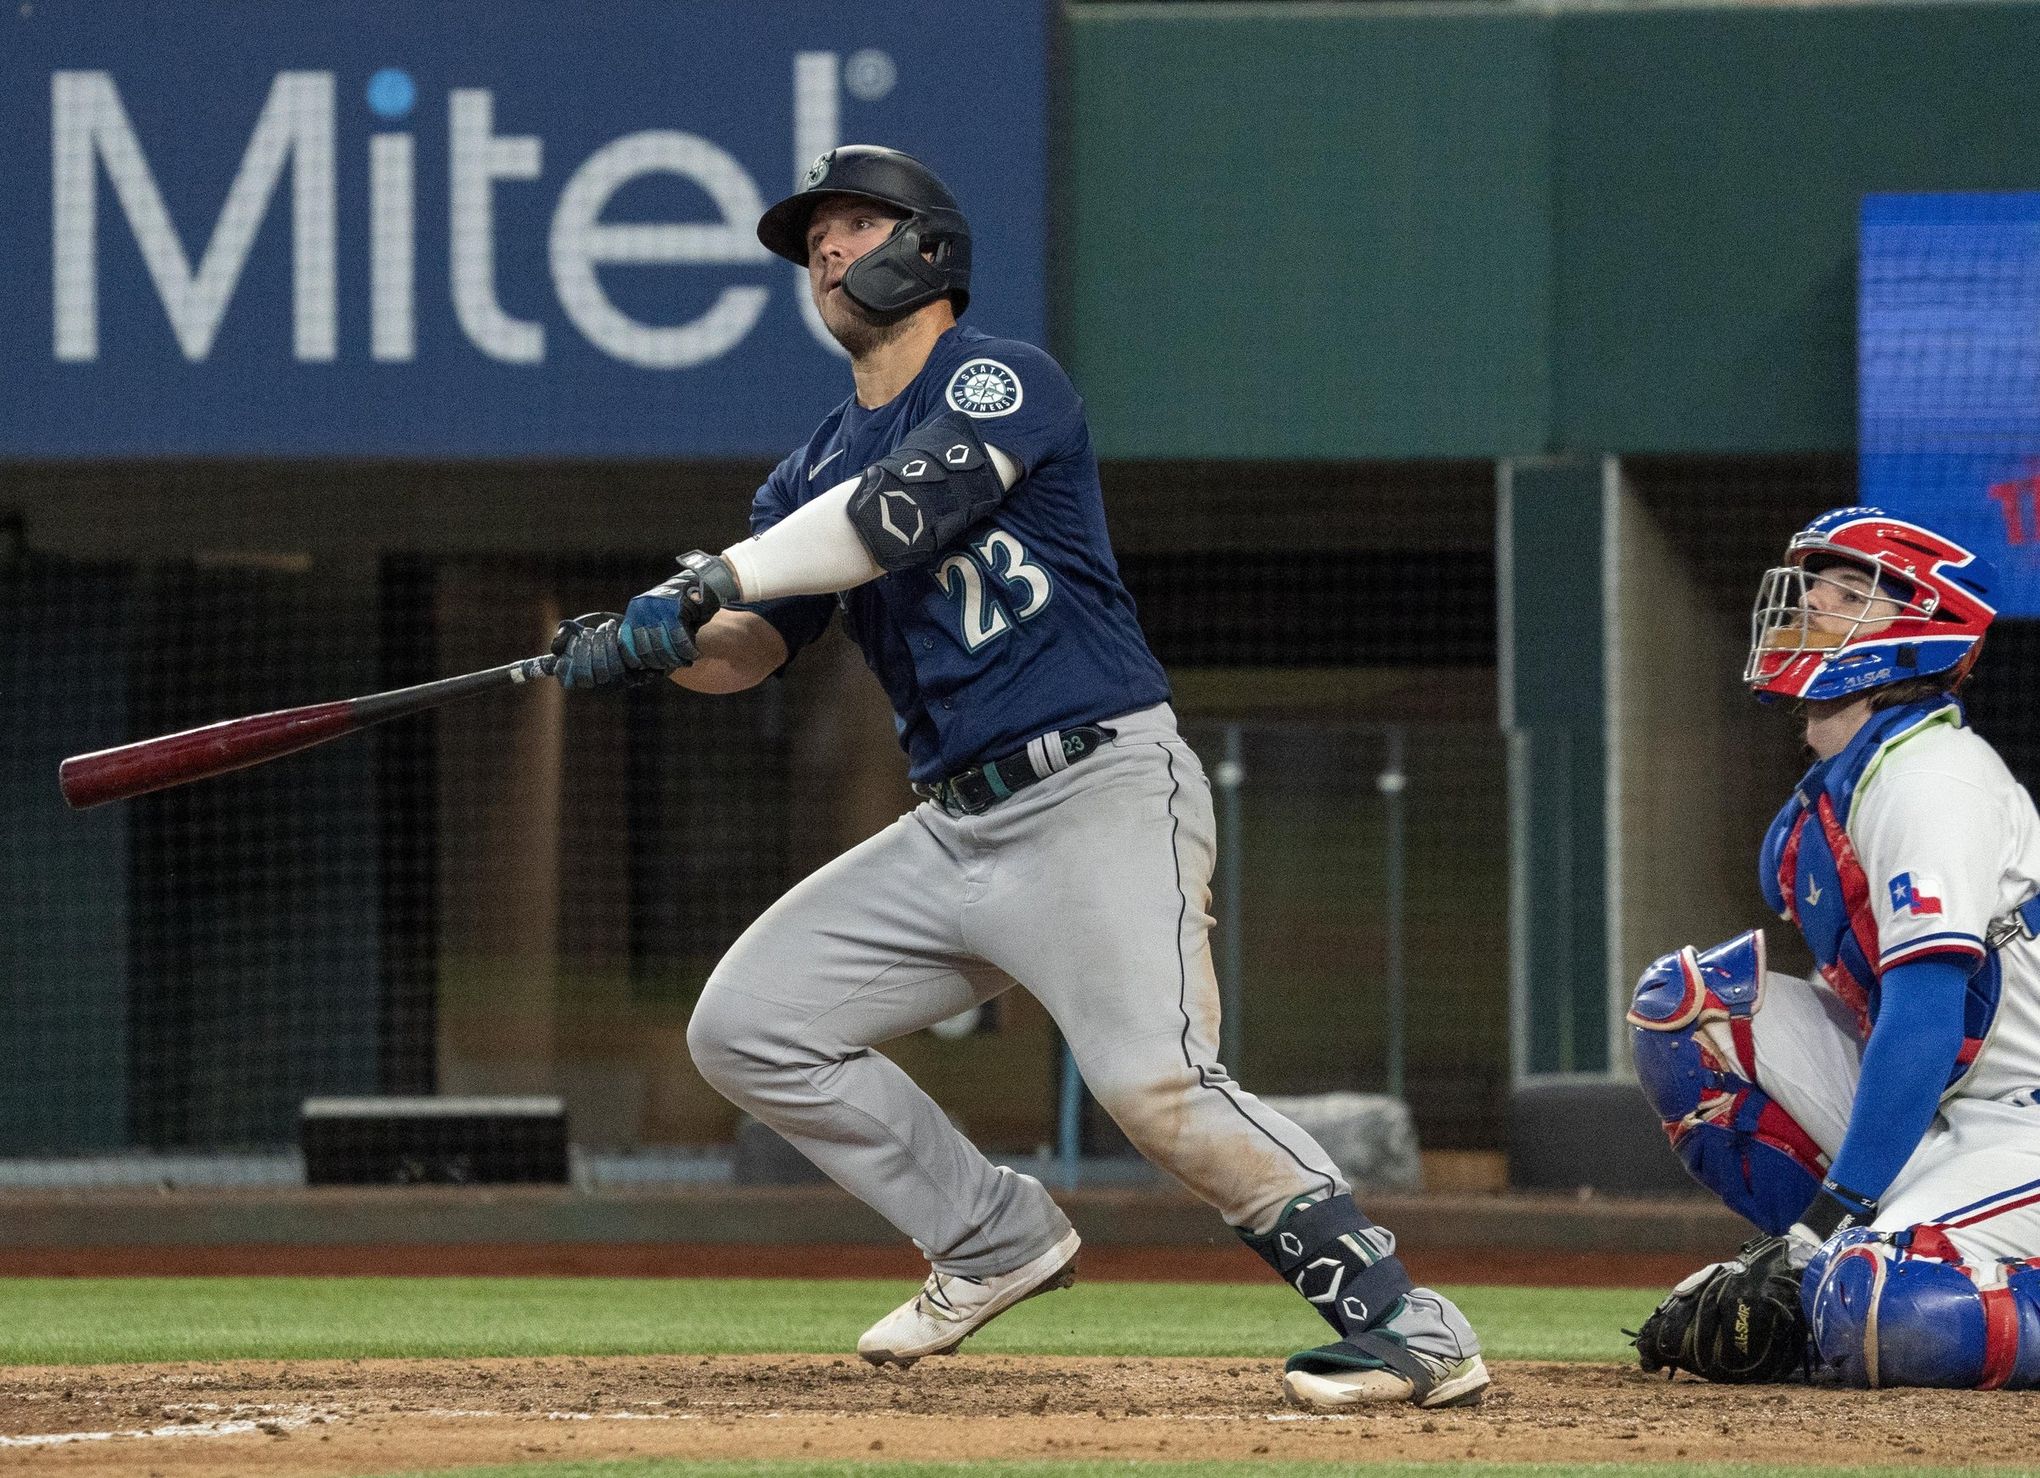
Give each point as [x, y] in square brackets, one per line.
[1903, 1309]
[1346, 1268]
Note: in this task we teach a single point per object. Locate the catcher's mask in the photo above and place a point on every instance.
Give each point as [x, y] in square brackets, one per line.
[894, 278]
[1864, 599]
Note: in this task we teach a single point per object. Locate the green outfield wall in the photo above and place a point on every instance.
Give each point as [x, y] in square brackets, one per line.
[1555, 236]
[1387, 230]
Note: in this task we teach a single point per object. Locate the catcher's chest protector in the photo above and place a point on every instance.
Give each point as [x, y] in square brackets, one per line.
[1811, 876]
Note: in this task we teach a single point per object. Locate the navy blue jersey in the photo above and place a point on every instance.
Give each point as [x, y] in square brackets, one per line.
[1020, 627]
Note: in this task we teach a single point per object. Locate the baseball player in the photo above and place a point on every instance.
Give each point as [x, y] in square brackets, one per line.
[1877, 1123]
[950, 510]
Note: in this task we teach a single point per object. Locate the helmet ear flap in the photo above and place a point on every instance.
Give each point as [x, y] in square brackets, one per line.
[894, 279]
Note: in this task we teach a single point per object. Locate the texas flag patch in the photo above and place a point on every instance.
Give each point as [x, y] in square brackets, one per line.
[1913, 895]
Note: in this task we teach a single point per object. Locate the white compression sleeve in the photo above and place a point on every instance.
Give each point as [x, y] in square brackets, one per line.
[814, 550]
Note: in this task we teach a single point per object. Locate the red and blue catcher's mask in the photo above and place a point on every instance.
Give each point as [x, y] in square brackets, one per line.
[1864, 599]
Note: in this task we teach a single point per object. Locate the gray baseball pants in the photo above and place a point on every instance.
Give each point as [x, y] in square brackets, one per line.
[1090, 888]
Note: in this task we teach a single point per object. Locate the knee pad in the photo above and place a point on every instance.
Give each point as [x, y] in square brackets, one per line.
[1902, 1309]
[1733, 1138]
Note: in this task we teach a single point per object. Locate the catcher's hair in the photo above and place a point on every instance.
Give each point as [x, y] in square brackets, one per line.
[1917, 689]
[1891, 695]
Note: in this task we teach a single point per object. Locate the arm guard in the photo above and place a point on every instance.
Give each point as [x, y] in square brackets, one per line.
[914, 503]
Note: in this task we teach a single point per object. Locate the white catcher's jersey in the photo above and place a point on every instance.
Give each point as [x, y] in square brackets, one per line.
[1949, 842]
[1915, 843]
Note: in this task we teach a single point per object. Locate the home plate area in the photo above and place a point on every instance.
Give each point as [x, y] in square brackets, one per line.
[378, 1416]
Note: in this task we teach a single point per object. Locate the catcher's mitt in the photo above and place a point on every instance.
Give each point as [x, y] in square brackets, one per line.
[1736, 1321]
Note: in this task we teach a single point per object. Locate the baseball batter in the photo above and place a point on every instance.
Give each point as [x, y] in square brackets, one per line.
[1877, 1123]
[950, 510]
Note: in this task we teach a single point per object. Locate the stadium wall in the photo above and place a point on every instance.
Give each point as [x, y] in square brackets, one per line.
[1335, 257]
[1560, 237]
[1499, 230]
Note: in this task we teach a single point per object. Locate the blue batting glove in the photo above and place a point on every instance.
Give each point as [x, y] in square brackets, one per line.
[587, 653]
[654, 634]
[657, 632]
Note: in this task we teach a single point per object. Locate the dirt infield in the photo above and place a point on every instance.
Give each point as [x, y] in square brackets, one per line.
[371, 1416]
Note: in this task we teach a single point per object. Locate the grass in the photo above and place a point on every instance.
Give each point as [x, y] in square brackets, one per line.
[88, 1321]
[1095, 1468]
[110, 1321]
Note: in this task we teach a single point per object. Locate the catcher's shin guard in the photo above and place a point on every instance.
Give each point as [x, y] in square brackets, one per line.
[1903, 1309]
[1346, 1268]
[1690, 1033]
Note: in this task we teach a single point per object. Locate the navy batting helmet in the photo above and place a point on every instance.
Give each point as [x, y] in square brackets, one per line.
[895, 278]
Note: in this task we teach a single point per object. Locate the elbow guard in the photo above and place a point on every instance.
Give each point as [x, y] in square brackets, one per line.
[917, 501]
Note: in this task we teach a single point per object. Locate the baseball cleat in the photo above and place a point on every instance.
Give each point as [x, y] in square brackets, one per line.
[1457, 1383]
[949, 1309]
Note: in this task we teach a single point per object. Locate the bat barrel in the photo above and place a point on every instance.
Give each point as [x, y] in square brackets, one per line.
[156, 764]
[198, 754]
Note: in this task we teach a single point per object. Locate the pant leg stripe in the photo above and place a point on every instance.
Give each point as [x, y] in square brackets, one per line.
[1183, 991]
[1969, 1221]
[1947, 1218]
[1182, 908]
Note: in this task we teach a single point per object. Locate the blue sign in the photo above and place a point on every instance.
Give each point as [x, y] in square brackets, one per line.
[474, 228]
[1949, 374]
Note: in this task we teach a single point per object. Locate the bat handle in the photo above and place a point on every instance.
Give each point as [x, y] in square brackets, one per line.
[532, 669]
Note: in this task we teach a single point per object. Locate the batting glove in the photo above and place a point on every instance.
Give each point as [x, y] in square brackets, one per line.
[586, 652]
[657, 632]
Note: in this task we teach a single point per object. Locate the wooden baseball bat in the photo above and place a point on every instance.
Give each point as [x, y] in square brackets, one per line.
[198, 754]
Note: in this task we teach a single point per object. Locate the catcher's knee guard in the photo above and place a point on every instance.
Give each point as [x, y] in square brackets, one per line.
[1696, 1059]
[1903, 1309]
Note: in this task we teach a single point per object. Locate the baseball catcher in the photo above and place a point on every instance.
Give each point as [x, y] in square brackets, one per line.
[1878, 1122]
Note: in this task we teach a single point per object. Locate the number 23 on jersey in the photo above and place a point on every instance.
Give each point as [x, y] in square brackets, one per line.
[982, 612]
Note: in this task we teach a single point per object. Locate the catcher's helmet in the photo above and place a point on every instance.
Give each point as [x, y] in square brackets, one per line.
[893, 279]
[1918, 605]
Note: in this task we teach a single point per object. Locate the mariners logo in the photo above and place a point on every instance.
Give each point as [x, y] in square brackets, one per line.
[984, 387]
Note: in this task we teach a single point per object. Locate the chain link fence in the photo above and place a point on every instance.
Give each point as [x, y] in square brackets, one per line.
[524, 893]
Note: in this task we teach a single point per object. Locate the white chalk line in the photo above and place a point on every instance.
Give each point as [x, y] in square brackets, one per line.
[239, 1428]
[292, 1418]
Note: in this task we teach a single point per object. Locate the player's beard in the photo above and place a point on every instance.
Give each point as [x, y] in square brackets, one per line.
[856, 328]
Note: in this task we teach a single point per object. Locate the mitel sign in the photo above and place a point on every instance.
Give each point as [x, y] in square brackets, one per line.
[293, 137]
[446, 242]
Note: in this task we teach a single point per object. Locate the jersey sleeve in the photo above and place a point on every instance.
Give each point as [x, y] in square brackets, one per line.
[1905, 1066]
[1022, 402]
[1931, 845]
[798, 619]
